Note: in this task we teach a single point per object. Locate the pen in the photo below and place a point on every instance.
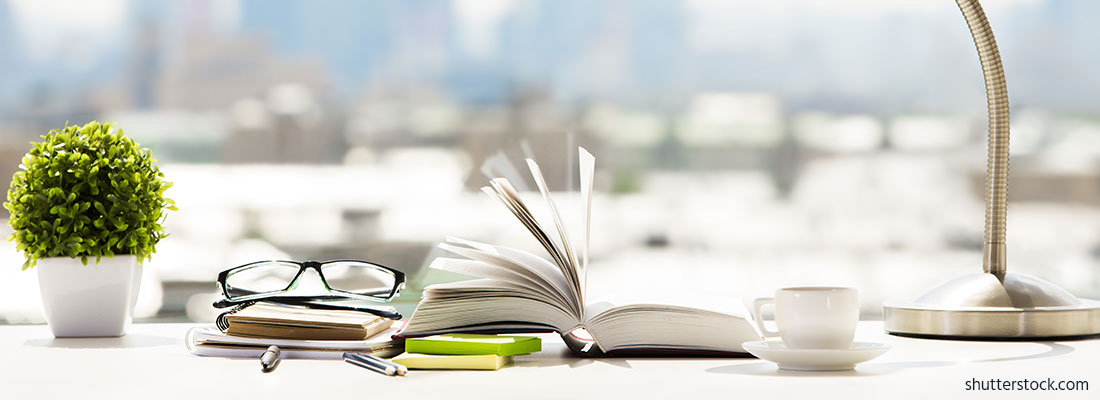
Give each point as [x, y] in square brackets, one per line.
[270, 359]
[388, 369]
[401, 369]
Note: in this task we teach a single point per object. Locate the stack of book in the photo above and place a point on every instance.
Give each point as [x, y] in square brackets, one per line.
[299, 333]
[282, 322]
[465, 351]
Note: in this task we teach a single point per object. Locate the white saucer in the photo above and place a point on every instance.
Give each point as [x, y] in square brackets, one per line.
[815, 359]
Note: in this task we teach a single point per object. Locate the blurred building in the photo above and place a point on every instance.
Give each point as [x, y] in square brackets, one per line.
[741, 145]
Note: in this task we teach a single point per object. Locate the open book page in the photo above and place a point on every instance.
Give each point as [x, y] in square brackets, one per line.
[573, 266]
[499, 166]
[486, 270]
[503, 191]
[560, 247]
[587, 171]
[663, 321]
[521, 262]
[478, 288]
[683, 300]
[450, 307]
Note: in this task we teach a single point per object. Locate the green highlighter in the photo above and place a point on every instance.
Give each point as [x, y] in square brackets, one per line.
[458, 343]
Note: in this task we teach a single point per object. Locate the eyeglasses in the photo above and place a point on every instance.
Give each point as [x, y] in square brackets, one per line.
[275, 281]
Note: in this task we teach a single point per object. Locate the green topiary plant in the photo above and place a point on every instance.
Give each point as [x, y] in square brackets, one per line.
[87, 191]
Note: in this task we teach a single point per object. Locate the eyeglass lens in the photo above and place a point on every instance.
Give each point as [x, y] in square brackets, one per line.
[358, 278]
[352, 277]
[261, 278]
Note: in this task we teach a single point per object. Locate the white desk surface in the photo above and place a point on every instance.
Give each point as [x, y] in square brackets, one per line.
[152, 362]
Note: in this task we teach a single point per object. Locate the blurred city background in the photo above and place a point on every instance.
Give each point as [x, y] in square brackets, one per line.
[741, 145]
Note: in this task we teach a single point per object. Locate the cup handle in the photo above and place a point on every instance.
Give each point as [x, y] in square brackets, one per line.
[757, 314]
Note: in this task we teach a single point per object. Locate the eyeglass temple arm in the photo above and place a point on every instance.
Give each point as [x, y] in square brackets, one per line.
[310, 304]
[394, 315]
[244, 295]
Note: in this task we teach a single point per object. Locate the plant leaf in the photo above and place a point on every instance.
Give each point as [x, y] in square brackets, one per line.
[62, 203]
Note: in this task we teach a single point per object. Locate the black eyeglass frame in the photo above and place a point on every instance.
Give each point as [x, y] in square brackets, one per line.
[312, 300]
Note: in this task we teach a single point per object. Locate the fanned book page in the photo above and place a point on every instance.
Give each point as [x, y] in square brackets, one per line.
[587, 171]
[523, 292]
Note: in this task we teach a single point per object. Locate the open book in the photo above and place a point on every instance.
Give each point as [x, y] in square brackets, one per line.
[520, 291]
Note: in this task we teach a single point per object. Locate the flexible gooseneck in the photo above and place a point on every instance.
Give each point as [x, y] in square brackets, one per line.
[996, 181]
[994, 304]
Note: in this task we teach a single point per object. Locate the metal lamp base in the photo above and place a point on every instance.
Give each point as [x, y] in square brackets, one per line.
[983, 307]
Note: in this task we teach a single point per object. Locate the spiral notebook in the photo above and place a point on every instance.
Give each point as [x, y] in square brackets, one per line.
[271, 321]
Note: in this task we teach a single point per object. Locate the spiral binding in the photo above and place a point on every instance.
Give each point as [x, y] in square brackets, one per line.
[223, 323]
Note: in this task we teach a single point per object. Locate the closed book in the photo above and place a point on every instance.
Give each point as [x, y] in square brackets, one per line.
[281, 322]
[458, 343]
[431, 361]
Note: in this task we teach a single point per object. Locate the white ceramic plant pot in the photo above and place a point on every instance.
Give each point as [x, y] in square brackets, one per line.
[89, 300]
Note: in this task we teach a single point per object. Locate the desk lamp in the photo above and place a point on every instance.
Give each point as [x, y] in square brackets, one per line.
[994, 304]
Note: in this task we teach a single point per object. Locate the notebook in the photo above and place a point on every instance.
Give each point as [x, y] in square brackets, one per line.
[209, 341]
[282, 322]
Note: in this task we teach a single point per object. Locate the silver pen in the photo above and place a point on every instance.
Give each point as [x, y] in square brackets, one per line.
[373, 364]
[270, 359]
[401, 369]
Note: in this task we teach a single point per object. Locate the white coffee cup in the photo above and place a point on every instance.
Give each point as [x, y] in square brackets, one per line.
[812, 317]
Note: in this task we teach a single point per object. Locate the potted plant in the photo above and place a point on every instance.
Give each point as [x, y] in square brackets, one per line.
[86, 208]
